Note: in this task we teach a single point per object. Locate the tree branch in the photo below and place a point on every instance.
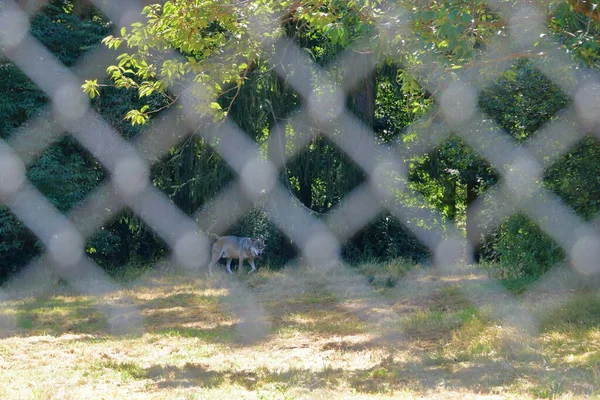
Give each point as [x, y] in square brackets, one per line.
[513, 56]
[587, 8]
[239, 86]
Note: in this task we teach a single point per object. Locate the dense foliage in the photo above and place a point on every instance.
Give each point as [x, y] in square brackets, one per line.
[224, 67]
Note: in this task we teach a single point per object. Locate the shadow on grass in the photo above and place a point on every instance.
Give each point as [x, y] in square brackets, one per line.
[386, 377]
[583, 311]
[324, 323]
[174, 300]
[189, 375]
[219, 334]
[188, 313]
[447, 317]
[58, 315]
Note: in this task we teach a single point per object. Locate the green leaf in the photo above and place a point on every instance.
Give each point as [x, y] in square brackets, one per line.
[91, 88]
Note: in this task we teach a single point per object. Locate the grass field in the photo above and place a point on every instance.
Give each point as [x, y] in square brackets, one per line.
[298, 333]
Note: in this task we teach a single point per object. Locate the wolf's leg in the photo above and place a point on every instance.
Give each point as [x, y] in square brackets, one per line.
[229, 265]
[214, 260]
[252, 265]
[241, 264]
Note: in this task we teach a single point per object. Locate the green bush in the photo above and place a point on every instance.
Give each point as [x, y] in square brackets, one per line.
[65, 35]
[125, 240]
[63, 173]
[18, 245]
[279, 248]
[386, 274]
[520, 249]
[575, 177]
[384, 239]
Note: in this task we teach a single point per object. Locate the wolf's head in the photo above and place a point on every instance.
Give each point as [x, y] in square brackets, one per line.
[257, 247]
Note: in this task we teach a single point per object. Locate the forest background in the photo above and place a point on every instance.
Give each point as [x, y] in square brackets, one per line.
[394, 101]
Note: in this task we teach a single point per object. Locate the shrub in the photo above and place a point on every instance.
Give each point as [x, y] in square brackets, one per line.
[520, 249]
[384, 239]
[280, 249]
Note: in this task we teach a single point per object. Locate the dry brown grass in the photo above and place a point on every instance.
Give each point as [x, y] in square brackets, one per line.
[424, 338]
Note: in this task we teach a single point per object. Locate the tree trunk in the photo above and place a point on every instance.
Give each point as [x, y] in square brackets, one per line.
[277, 141]
[450, 197]
[276, 151]
[471, 223]
[185, 175]
[362, 96]
[82, 8]
[361, 101]
[305, 180]
[434, 164]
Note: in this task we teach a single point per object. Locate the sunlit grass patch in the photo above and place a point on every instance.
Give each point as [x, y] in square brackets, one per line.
[387, 274]
[318, 344]
[571, 337]
[560, 381]
[383, 378]
[317, 298]
[450, 298]
[185, 375]
[573, 347]
[575, 356]
[322, 322]
[57, 314]
[582, 311]
[475, 340]
[439, 320]
[263, 276]
[217, 335]
[127, 369]
[458, 332]
[546, 390]
[182, 299]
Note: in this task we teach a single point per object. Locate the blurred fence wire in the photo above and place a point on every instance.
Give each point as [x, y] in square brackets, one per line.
[318, 239]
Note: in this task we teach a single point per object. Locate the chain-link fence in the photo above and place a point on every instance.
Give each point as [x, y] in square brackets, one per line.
[318, 239]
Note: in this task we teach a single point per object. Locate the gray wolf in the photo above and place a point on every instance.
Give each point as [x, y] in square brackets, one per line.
[231, 247]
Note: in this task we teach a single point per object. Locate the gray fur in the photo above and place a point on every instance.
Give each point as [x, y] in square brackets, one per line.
[231, 247]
